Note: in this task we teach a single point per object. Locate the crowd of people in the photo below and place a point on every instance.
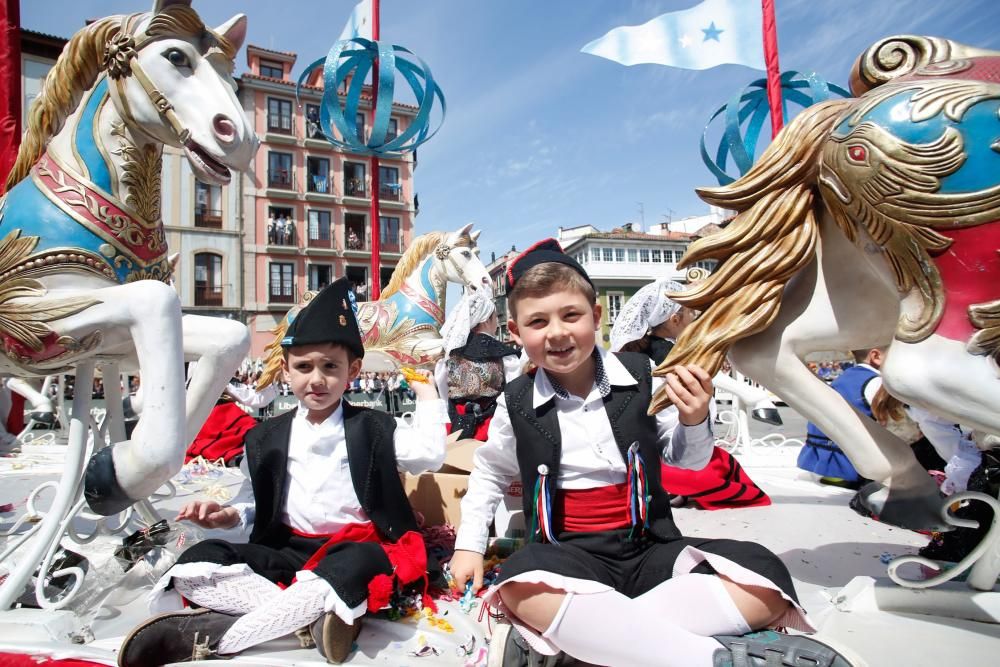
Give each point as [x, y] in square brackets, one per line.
[280, 230]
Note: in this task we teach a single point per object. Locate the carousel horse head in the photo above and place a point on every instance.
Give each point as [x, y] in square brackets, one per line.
[169, 77]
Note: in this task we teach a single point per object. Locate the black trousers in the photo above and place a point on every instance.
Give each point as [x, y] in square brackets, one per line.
[635, 566]
[348, 566]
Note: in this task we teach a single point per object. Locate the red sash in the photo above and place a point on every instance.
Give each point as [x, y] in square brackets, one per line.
[15, 418]
[591, 510]
[408, 557]
[722, 483]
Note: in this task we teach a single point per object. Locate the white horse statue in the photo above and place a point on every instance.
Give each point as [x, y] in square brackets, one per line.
[403, 327]
[865, 224]
[83, 256]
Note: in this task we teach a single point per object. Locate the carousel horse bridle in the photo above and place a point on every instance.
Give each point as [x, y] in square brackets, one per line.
[121, 61]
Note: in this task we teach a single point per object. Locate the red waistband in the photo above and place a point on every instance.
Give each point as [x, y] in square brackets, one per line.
[591, 510]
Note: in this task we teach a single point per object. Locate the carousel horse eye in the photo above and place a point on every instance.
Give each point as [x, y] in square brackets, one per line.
[177, 58]
[857, 153]
[466, 254]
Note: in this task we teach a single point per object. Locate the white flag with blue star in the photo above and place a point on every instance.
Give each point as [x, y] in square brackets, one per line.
[716, 32]
[359, 23]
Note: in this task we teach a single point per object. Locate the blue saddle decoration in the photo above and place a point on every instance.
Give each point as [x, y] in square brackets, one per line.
[353, 58]
[804, 89]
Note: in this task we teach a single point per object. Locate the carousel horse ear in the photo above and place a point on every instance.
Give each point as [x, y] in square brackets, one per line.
[475, 235]
[160, 5]
[235, 30]
[464, 231]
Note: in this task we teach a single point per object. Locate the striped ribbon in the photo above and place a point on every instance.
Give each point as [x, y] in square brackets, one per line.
[541, 522]
[637, 490]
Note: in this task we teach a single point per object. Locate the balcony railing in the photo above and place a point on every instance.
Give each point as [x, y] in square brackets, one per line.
[207, 217]
[204, 296]
[390, 245]
[278, 296]
[280, 123]
[284, 236]
[390, 191]
[354, 187]
[280, 179]
[356, 241]
[321, 243]
[319, 184]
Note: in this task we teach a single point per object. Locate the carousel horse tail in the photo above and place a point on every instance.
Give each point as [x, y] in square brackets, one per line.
[772, 238]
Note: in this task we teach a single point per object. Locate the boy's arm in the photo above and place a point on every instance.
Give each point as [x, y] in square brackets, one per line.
[421, 446]
[682, 446]
[494, 468]
[243, 502]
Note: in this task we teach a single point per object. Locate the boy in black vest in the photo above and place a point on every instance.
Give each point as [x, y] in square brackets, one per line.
[608, 578]
[328, 519]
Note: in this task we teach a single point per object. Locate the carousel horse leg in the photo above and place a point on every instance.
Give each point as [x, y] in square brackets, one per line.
[219, 346]
[144, 316]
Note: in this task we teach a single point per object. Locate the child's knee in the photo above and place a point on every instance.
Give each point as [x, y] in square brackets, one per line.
[535, 605]
[759, 606]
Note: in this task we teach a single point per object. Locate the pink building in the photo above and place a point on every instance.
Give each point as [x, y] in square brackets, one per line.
[307, 204]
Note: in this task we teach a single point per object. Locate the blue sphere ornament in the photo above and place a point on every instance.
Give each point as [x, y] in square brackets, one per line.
[746, 112]
[353, 58]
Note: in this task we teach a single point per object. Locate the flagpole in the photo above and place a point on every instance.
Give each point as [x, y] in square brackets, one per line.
[773, 70]
[376, 290]
[10, 84]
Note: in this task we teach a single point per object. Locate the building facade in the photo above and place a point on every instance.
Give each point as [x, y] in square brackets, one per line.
[621, 261]
[306, 204]
[498, 275]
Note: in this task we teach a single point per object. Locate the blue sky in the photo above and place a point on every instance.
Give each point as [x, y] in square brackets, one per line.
[539, 135]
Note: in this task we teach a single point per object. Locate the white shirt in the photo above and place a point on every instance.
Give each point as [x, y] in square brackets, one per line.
[247, 395]
[319, 492]
[590, 456]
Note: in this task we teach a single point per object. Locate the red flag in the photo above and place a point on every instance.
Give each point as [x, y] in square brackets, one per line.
[773, 71]
[10, 85]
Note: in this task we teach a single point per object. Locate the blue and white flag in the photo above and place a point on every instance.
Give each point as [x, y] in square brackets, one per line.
[359, 23]
[716, 32]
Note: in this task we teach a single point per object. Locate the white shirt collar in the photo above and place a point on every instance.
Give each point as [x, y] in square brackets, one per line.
[616, 373]
[335, 417]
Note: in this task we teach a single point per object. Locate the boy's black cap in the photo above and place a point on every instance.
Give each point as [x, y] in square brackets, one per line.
[327, 318]
[546, 250]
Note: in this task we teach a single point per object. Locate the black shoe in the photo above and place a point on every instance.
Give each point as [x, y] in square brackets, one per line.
[182, 636]
[509, 649]
[334, 639]
[767, 415]
[771, 649]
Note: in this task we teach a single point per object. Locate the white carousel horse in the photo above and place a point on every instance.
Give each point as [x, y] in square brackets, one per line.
[83, 257]
[403, 327]
[864, 225]
[42, 410]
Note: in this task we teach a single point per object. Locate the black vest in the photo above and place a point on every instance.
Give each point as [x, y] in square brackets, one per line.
[372, 458]
[539, 440]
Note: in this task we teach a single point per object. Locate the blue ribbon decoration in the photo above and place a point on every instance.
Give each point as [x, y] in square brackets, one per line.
[354, 58]
[750, 106]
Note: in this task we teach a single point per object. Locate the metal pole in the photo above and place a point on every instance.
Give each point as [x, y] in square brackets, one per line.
[376, 264]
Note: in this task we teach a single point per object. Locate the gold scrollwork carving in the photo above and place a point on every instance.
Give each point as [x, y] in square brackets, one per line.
[141, 174]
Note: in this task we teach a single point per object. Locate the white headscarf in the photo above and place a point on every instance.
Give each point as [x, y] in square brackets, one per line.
[474, 309]
[647, 308]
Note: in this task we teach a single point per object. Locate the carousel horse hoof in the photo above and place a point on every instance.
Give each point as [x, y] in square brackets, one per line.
[767, 415]
[903, 508]
[100, 485]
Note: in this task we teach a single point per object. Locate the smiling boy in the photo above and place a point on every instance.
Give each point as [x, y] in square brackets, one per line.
[328, 517]
[608, 578]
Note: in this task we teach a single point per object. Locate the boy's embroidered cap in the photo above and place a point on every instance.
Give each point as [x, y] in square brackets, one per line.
[546, 250]
[328, 318]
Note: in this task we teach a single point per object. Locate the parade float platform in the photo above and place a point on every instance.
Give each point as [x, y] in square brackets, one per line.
[837, 558]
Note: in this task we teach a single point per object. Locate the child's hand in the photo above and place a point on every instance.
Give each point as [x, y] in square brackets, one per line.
[424, 389]
[209, 514]
[465, 566]
[690, 389]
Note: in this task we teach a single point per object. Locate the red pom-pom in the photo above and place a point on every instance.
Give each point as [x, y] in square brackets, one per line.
[380, 591]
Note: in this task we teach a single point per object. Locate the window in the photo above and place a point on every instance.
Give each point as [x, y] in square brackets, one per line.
[607, 255]
[644, 255]
[389, 235]
[207, 205]
[354, 179]
[354, 232]
[279, 170]
[313, 130]
[359, 125]
[633, 255]
[280, 226]
[388, 183]
[656, 257]
[272, 69]
[393, 130]
[358, 278]
[319, 229]
[320, 275]
[614, 305]
[282, 287]
[207, 279]
[668, 256]
[595, 254]
[279, 115]
[318, 175]
[619, 254]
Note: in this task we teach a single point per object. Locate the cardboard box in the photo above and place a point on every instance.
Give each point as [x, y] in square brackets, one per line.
[438, 495]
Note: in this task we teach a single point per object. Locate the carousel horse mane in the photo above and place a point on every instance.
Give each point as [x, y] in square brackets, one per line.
[770, 240]
[416, 253]
[78, 67]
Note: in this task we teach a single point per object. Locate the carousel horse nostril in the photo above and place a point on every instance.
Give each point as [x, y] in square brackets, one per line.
[224, 129]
